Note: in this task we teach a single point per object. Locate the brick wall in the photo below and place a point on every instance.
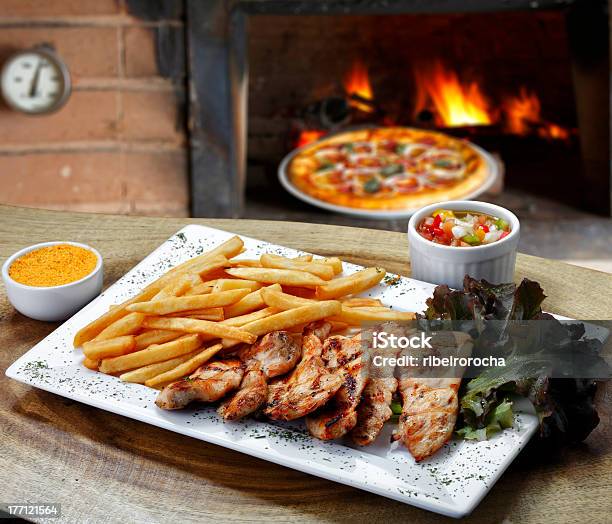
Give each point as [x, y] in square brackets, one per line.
[119, 144]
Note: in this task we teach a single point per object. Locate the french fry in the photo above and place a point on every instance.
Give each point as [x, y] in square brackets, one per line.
[127, 325]
[156, 353]
[348, 315]
[201, 289]
[165, 306]
[91, 364]
[292, 317]
[99, 349]
[249, 317]
[324, 271]
[179, 282]
[299, 292]
[207, 268]
[196, 266]
[244, 319]
[251, 302]
[154, 336]
[141, 375]
[225, 284]
[352, 284]
[95, 327]
[360, 302]
[179, 286]
[213, 281]
[185, 368]
[355, 316]
[218, 273]
[190, 325]
[158, 335]
[334, 262]
[212, 313]
[288, 277]
[244, 263]
[283, 301]
[228, 249]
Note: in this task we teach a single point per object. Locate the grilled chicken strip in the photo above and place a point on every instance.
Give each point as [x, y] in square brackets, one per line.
[429, 414]
[310, 385]
[344, 356]
[275, 354]
[374, 409]
[208, 383]
[430, 404]
[251, 395]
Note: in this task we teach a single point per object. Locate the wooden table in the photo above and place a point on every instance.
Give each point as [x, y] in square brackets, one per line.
[104, 467]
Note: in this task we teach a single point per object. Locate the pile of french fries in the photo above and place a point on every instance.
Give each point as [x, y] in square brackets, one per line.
[214, 302]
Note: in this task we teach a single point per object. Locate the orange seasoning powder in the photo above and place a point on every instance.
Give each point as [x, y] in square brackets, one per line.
[53, 265]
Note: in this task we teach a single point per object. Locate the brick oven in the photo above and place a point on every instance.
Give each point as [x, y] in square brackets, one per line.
[534, 78]
[188, 106]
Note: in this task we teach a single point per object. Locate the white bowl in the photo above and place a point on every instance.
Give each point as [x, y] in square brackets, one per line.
[448, 265]
[55, 302]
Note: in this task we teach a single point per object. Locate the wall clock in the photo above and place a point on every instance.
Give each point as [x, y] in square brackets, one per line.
[35, 81]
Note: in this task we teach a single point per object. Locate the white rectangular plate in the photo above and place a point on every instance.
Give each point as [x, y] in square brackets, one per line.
[451, 483]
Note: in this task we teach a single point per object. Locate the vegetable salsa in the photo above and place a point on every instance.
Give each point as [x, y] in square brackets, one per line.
[462, 228]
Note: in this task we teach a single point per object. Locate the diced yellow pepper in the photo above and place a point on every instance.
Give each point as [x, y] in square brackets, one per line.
[480, 234]
[444, 213]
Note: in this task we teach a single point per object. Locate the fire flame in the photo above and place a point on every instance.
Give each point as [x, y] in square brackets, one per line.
[523, 116]
[357, 82]
[522, 112]
[307, 136]
[554, 131]
[455, 103]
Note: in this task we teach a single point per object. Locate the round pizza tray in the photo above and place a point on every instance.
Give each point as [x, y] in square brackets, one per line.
[283, 177]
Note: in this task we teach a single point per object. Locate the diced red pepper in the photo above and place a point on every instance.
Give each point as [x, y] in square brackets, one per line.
[484, 228]
[504, 234]
[437, 221]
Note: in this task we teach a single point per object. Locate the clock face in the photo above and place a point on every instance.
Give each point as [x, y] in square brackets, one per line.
[35, 81]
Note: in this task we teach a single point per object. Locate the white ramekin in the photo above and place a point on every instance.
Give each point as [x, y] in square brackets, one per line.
[55, 302]
[448, 265]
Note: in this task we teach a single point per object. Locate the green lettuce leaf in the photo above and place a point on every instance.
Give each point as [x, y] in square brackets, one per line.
[564, 405]
[497, 420]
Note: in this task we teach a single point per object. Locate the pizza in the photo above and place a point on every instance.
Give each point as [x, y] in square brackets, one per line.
[390, 168]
